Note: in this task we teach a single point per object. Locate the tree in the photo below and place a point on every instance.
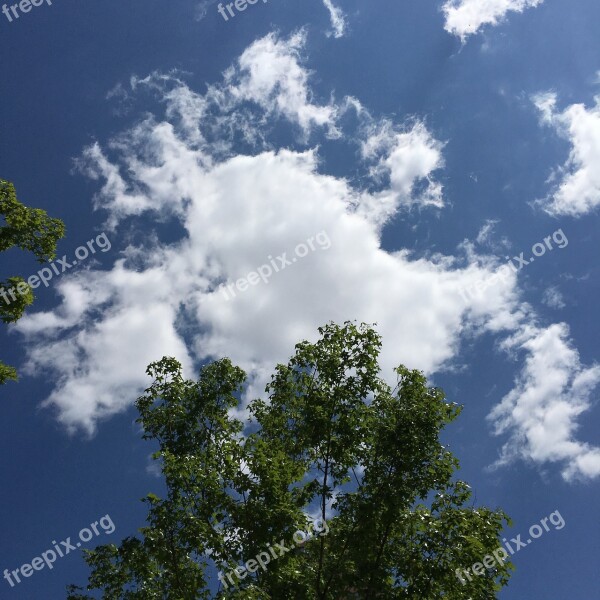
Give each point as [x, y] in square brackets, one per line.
[333, 439]
[32, 230]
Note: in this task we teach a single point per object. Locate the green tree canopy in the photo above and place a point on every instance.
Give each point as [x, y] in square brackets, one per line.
[332, 440]
[32, 230]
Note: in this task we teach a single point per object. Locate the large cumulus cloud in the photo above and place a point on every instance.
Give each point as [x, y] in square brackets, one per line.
[208, 164]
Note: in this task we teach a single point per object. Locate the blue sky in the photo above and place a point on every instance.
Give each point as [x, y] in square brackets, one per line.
[428, 141]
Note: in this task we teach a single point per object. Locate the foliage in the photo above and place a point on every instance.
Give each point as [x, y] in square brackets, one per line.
[334, 439]
[32, 230]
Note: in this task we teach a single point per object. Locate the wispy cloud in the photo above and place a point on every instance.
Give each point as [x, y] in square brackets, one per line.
[202, 8]
[553, 298]
[338, 19]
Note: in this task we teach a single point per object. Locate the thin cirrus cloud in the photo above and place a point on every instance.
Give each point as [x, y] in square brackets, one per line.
[553, 298]
[576, 184]
[203, 7]
[338, 19]
[239, 208]
[467, 17]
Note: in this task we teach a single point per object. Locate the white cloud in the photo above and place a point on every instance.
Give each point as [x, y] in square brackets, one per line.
[541, 412]
[237, 209]
[467, 17]
[485, 233]
[338, 19]
[576, 185]
[553, 298]
[487, 238]
[271, 74]
[406, 160]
